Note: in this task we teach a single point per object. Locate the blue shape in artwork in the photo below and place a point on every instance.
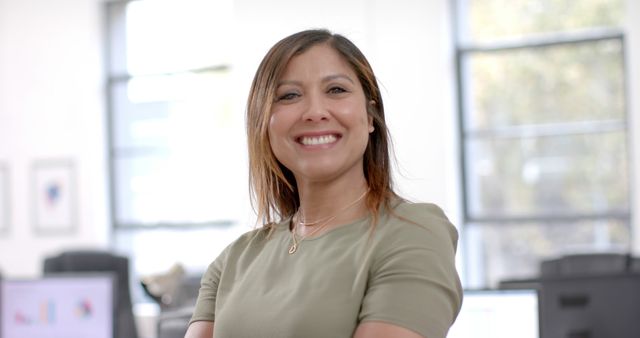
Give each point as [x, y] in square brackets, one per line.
[53, 193]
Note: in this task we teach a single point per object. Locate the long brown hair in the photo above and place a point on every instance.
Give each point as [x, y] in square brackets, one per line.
[273, 186]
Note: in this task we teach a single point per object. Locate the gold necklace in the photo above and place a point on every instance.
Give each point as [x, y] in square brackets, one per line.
[294, 246]
[302, 221]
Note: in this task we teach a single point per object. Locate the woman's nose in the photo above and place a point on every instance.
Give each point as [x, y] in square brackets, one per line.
[315, 109]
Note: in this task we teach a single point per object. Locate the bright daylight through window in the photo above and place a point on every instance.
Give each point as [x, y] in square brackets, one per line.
[170, 114]
[544, 133]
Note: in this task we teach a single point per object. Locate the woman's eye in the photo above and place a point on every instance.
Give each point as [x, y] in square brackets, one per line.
[337, 90]
[287, 96]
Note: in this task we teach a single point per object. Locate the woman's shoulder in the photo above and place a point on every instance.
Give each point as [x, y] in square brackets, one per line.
[418, 220]
[418, 211]
[249, 241]
[257, 234]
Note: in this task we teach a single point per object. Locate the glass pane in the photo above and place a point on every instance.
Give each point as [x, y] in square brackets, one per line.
[167, 36]
[171, 111]
[496, 19]
[178, 150]
[179, 187]
[564, 83]
[514, 251]
[584, 173]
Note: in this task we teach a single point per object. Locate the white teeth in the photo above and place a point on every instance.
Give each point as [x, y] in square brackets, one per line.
[311, 141]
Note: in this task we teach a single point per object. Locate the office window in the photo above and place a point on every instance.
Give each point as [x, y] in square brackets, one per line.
[544, 133]
[173, 142]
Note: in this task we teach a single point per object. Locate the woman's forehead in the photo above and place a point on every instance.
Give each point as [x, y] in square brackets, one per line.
[321, 61]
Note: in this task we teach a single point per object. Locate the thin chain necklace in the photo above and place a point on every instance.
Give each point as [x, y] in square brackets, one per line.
[323, 223]
[302, 221]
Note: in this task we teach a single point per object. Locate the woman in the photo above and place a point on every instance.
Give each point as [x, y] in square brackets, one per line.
[340, 254]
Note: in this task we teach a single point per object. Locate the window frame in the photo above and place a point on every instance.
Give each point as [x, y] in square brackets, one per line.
[465, 49]
[116, 74]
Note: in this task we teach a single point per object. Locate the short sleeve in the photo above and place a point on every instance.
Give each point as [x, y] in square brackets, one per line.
[413, 282]
[205, 309]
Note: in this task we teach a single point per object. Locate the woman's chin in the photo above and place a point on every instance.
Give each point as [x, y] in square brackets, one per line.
[327, 172]
[317, 175]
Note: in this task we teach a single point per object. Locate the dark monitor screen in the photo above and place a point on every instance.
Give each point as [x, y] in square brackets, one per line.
[498, 314]
[58, 306]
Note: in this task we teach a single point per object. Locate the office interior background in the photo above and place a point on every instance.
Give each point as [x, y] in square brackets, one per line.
[519, 118]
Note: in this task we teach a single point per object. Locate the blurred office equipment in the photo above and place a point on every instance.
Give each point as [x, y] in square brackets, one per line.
[65, 305]
[590, 296]
[497, 314]
[101, 261]
[176, 293]
[163, 287]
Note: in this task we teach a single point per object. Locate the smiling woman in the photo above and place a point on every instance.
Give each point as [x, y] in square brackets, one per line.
[319, 125]
[340, 254]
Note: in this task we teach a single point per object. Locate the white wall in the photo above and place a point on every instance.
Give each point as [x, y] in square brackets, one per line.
[51, 107]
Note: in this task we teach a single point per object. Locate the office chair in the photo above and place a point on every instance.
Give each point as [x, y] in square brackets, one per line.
[101, 261]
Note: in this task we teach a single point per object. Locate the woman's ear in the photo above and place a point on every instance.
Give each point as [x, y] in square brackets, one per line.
[370, 111]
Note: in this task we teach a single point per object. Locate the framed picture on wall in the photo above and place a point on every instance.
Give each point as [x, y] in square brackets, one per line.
[4, 199]
[54, 210]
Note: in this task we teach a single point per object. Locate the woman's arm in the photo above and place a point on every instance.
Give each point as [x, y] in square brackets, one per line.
[200, 329]
[383, 330]
[202, 320]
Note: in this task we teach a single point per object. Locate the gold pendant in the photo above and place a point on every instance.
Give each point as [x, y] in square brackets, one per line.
[293, 248]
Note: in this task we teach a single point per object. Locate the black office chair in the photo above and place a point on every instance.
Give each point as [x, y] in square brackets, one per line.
[101, 261]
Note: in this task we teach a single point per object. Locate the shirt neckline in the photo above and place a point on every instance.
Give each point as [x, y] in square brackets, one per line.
[284, 226]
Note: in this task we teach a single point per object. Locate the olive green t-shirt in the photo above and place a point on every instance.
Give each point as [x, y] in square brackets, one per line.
[403, 273]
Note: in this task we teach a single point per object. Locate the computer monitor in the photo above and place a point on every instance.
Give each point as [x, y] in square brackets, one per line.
[58, 306]
[498, 314]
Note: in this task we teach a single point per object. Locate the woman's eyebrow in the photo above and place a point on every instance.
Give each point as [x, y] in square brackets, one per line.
[327, 78]
[337, 76]
[288, 82]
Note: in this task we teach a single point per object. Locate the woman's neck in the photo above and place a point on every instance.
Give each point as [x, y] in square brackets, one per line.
[339, 201]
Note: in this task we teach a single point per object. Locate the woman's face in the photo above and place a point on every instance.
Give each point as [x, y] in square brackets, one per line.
[319, 126]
